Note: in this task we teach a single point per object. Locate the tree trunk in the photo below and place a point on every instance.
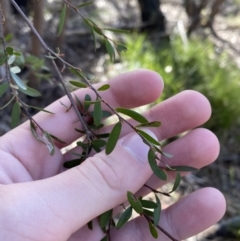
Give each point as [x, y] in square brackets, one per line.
[151, 15]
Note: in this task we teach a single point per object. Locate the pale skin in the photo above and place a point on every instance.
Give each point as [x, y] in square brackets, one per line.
[42, 201]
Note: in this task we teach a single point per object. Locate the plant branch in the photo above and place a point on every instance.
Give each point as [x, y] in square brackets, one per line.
[160, 228]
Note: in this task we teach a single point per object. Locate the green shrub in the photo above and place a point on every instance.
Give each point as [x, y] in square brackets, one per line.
[199, 66]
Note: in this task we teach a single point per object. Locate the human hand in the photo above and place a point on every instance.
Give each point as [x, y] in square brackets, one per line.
[41, 201]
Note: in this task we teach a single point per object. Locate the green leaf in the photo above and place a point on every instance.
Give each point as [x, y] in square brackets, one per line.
[72, 163]
[78, 73]
[30, 92]
[113, 138]
[161, 174]
[62, 19]
[84, 4]
[18, 81]
[126, 215]
[104, 87]
[110, 50]
[176, 182]
[34, 131]
[149, 204]
[9, 50]
[148, 137]
[57, 139]
[92, 102]
[148, 212]
[121, 48]
[15, 69]
[153, 230]
[104, 135]
[106, 114]
[16, 110]
[149, 124]
[78, 84]
[96, 127]
[116, 30]
[78, 102]
[183, 169]
[90, 225]
[99, 143]
[97, 30]
[157, 211]
[50, 57]
[133, 114]
[105, 218]
[86, 99]
[18, 54]
[3, 59]
[88, 23]
[97, 113]
[3, 89]
[104, 238]
[49, 143]
[134, 202]
[11, 59]
[40, 109]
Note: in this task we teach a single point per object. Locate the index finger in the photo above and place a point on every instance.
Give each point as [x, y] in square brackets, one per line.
[128, 90]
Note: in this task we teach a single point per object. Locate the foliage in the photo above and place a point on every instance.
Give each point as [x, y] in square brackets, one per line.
[199, 66]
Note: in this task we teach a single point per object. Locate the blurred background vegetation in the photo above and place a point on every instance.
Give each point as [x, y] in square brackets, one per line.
[192, 44]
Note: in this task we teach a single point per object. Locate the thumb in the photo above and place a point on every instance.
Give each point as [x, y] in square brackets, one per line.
[99, 184]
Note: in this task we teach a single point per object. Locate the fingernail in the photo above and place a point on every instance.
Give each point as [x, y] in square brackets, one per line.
[133, 143]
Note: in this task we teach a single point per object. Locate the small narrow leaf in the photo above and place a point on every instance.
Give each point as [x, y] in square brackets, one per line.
[15, 69]
[133, 114]
[104, 87]
[149, 204]
[149, 124]
[97, 113]
[40, 109]
[157, 211]
[84, 4]
[88, 23]
[78, 102]
[30, 92]
[105, 218]
[92, 102]
[99, 143]
[126, 215]
[16, 110]
[161, 174]
[134, 202]
[113, 138]
[110, 50]
[9, 50]
[62, 19]
[57, 139]
[148, 212]
[17, 53]
[49, 143]
[11, 59]
[18, 81]
[34, 131]
[3, 89]
[72, 163]
[78, 73]
[90, 225]
[104, 238]
[153, 230]
[104, 135]
[148, 137]
[116, 30]
[121, 48]
[78, 84]
[176, 182]
[87, 99]
[183, 169]
[3, 59]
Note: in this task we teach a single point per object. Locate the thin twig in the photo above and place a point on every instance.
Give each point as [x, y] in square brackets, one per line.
[160, 228]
